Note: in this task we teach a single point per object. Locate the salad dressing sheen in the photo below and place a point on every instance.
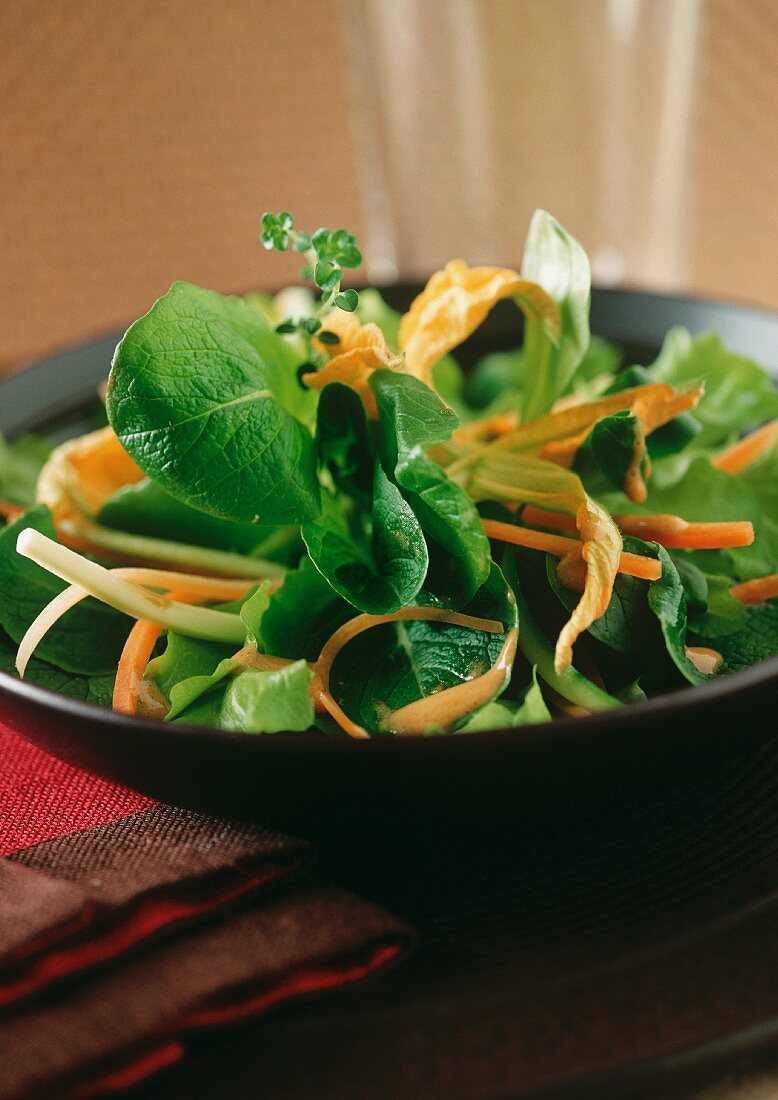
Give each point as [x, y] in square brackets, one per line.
[446, 707]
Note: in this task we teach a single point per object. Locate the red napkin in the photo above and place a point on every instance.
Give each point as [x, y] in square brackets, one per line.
[126, 925]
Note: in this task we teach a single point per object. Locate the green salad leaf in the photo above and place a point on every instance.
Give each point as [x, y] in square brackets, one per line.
[412, 418]
[555, 260]
[739, 394]
[756, 641]
[530, 710]
[398, 663]
[608, 452]
[20, 464]
[269, 702]
[203, 394]
[378, 567]
[88, 640]
[146, 509]
[88, 689]
[302, 613]
[646, 622]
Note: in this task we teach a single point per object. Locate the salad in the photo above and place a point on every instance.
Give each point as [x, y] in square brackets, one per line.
[302, 515]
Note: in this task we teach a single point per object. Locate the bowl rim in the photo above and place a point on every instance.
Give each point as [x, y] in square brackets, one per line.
[681, 700]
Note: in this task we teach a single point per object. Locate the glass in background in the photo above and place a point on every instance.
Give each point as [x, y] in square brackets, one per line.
[468, 114]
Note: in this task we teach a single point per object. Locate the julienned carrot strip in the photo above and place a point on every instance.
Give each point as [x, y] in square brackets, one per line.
[633, 565]
[676, 534]
[132, 664]
[137, 654]
[143, 637]
[748, 449]
[758, 590]
[541, 517]
[10, 511]
[669, 531]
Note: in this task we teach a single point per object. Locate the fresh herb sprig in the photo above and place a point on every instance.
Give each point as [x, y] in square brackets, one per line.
[327, 252]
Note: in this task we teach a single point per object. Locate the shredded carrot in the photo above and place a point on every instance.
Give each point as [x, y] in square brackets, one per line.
[541, 517]
[358, 625]
[668, 530]
[633, 565]
[10, 511]
[143, 637]
[756, 591]
[132, 664]
[676, 534]
[748, 449]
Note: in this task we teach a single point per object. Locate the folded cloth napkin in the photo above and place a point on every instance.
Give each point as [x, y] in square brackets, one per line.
[126, 925]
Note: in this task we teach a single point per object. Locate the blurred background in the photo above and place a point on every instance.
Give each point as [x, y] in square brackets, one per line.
[142, 139]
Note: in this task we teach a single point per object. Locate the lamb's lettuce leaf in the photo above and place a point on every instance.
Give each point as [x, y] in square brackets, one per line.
[608, 452]
[203, 394]
[555, 260]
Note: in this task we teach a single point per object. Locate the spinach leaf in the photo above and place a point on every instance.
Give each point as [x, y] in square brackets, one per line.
[647, 622]
[367, 541]
[20, 464]
[608, 452]
[559, 264]
[755, 641]
[695, 584]
[146, 509]
[670, 438]
[343, 442]
[396, 664]
[203, 395]
[628, 625]
[378, 569]
[411, 417]
[87, 640]
[269, 702]
[89, 689]
[667, 600]
[302, 613]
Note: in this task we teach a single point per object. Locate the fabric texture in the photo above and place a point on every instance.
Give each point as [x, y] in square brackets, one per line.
[125, 926]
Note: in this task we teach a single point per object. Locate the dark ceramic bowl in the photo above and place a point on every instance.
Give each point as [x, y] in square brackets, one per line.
[299, 780]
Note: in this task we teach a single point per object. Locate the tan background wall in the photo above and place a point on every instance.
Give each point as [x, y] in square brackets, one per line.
[141, 139]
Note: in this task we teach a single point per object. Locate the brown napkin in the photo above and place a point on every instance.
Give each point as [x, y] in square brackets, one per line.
[120, 940]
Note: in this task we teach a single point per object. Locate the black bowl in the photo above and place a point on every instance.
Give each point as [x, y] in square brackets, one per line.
[301, 780]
